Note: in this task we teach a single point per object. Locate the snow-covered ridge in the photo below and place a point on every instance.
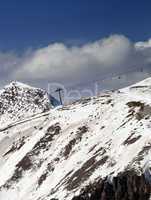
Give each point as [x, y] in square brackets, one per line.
[57, 155]
[18, 101]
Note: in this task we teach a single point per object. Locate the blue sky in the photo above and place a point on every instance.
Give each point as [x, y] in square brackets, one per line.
[74, 42]
[36, 23]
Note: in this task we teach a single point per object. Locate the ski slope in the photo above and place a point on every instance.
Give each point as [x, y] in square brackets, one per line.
[54, 155]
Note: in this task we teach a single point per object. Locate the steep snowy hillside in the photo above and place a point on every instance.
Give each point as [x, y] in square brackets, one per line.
[98, 148]
[18, 101]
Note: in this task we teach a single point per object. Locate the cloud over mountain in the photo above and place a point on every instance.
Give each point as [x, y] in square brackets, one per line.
[77, 64]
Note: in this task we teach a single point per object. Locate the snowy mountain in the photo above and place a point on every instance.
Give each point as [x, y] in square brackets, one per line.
[97, 148]
[18, 101]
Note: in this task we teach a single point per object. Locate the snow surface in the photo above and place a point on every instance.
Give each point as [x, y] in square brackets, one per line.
[57, 153]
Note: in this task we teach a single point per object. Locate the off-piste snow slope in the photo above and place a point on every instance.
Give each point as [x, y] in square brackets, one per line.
[98, 148]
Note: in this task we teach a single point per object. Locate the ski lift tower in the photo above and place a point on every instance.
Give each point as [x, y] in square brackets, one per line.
[59, 90]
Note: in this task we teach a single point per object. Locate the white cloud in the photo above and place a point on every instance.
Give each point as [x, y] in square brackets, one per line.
[74, 64]
[61, 63]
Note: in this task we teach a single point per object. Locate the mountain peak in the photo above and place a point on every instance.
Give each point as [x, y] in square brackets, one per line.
[18, 84]
[18, 101]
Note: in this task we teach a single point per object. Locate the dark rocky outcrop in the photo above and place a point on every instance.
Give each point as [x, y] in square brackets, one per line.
[126, 186]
